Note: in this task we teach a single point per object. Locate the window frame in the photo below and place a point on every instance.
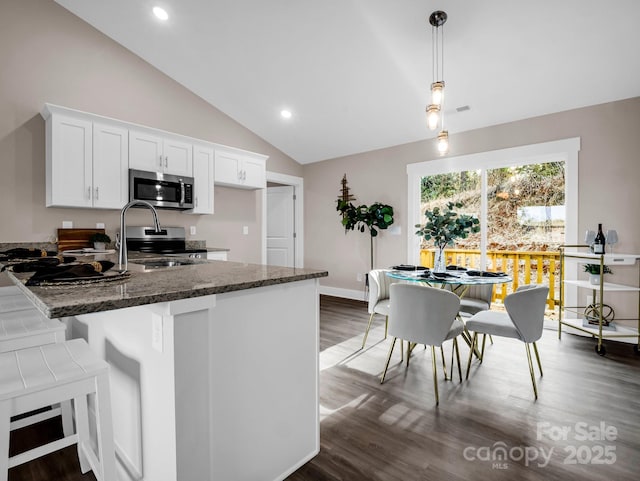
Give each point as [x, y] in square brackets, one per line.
[565, 150]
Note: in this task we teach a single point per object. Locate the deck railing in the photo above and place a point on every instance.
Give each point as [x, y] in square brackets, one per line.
[526, 267]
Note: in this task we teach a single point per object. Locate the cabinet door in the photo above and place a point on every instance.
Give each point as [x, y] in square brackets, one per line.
[217, 256]
[145, 152]
[69, 168]
[203, 160]
[254, 173]
[178, 158]
[227, 168]
[110, 166]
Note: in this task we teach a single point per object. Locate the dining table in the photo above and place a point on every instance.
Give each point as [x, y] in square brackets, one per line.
[458, 279]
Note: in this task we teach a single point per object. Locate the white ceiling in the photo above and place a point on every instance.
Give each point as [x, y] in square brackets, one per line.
[356, 73]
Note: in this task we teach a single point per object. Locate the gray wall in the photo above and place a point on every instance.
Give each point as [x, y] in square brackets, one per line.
[49, 55]
[609, 173]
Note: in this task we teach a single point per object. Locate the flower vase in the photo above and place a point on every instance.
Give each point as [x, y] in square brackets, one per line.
[439, 261]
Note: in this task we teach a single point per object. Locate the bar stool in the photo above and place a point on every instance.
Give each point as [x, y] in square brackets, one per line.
[29, 328]
[16, 301]
[41, 376]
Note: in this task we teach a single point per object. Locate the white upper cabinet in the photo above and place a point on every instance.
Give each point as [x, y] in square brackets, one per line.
[203, 171]
[110, 166]
[154, 153]
[238, 168]
[86, 162]
[88, 158]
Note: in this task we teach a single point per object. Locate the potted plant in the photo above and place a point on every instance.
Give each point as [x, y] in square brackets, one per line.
[594, 272]
[374, 217]
[443, 227]
[100, 241]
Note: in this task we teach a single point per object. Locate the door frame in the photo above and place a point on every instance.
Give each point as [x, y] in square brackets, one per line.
[298, 207]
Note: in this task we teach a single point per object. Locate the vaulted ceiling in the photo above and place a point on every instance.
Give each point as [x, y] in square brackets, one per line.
[356, 73]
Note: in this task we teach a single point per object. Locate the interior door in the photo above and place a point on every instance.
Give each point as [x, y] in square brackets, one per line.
[280, 226]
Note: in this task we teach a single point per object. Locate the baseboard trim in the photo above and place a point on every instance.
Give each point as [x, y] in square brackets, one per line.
[344, 293]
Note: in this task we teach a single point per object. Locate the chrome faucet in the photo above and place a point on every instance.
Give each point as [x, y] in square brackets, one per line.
[122, 241]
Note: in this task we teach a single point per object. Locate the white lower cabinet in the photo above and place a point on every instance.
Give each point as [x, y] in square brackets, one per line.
[86, 162]
[203, 172]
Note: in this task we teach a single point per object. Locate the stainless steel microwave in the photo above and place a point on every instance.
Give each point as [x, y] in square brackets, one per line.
[164, 191]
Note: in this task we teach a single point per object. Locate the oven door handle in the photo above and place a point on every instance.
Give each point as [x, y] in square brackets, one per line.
[182, 192]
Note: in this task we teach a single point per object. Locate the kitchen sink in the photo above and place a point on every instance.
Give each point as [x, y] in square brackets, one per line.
[162, 263]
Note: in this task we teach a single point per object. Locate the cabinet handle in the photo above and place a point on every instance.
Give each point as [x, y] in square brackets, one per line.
[196, 201]
[166, 162]
[89, 193]
[244, 175]
[97, 193]
[161, 161]
[239, 175]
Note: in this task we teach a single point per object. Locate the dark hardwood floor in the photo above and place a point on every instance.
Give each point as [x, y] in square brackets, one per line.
[394, 431]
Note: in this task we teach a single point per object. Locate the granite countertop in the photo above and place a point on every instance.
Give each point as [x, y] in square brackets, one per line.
[150, 286]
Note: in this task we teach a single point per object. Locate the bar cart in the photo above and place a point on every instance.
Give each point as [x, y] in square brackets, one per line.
[597, 310]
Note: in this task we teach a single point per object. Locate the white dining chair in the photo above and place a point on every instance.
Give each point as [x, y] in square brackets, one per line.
[424, 315]
[378, 302]
[523, 320]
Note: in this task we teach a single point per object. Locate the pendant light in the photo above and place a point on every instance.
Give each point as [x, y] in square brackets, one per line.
[435, 110]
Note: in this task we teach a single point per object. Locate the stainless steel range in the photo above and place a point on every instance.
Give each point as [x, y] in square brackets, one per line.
[170, 242]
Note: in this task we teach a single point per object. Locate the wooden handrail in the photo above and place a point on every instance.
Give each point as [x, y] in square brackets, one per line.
[538, 267]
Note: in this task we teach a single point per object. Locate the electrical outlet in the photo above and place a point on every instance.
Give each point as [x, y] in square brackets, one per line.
[99, 225]
[67, 224]
[245, 230]
[359, 277]
[192, 230]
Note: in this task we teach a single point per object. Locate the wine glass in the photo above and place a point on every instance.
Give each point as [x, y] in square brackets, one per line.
[612, 237]
[589, 238]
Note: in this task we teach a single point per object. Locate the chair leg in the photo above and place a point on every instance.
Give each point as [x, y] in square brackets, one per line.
[535, 349]
[484, 340]
[491, 339]
[455, 347]
[384, 373]
[67, 418]
[366, 332]
[444, 366]
[401, 351]
[82, 427]
[474, 343]
[435, 376]
[5, 421]
[106, 448]
[533, 378]
[386, 326]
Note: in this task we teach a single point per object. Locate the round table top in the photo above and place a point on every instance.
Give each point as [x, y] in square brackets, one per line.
[453, 277]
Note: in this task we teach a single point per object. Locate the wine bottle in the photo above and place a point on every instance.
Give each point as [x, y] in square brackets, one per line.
[598, 242]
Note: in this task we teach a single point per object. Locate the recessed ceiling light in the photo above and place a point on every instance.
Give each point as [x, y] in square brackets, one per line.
[161, 13]
[286, 114]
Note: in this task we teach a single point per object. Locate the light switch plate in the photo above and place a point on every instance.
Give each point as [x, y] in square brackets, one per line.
[245, 230]
[99, 225]
[192, 230]
[67, 224]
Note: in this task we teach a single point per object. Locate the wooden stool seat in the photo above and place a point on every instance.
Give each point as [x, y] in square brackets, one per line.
[41, 376]
[15, 302]
[29, 328]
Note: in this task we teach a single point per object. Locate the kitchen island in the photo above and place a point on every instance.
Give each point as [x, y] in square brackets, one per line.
[214, 366]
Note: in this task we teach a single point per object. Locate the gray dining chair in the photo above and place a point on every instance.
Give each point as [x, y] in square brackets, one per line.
[424, 315]
[523, 320]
